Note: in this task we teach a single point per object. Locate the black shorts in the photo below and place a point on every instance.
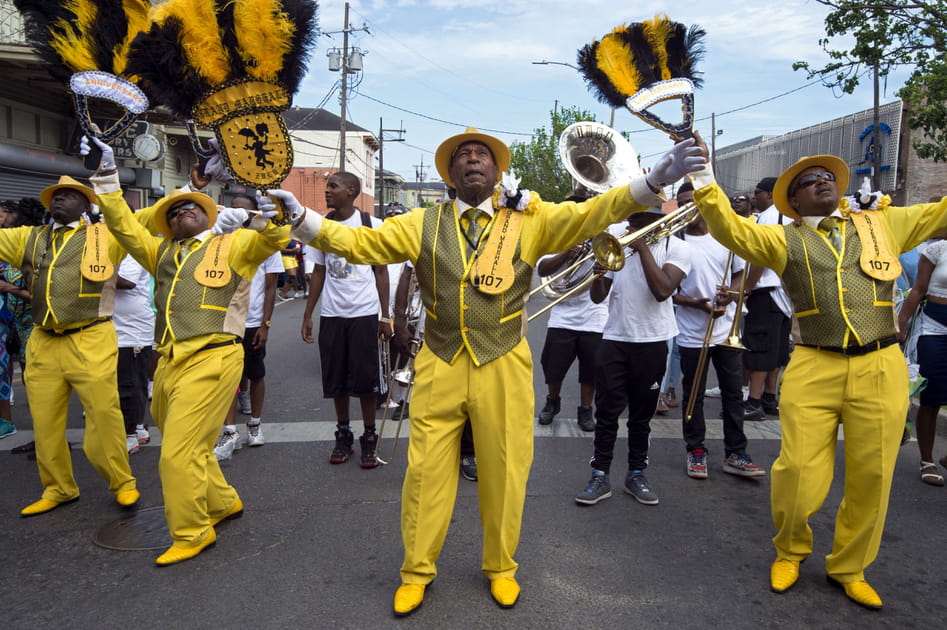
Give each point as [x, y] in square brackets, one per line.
[253, 366]
[348, 348]
[765, 334]
[561, 349]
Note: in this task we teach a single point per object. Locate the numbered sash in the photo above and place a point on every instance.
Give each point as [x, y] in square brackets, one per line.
[877, 259]
[493, 268]
[213, 271]
[96, 266]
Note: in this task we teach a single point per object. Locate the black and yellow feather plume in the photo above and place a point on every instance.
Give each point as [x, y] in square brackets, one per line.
[637, 55]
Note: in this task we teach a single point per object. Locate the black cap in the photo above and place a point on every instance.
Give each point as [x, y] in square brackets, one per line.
[766, 184]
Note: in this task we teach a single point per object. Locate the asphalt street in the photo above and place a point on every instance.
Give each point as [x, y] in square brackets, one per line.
[319, 545]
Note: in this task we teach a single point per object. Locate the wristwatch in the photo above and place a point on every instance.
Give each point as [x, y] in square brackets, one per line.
[267, 323]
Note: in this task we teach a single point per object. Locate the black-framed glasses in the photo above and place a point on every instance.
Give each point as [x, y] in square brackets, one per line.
[810, 178]
[176, 210]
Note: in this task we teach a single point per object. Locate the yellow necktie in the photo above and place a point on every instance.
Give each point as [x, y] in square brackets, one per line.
[830, 225]
[474, 230]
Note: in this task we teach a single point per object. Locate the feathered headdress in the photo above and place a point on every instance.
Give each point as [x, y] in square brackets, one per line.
[644, 63]
[232, 67]
[85, 43]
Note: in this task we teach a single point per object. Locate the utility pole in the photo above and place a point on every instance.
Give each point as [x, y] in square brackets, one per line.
[381, 162]
[876, 142]
[348, 64]
[419, 174]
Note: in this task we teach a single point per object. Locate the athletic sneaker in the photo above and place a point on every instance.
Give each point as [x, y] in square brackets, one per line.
[243, 402]
[6, 428]
[227, 443]
[344, 438]
[713, 392]
[697, 464]
[131, 442]
[301, 294]
[741, 465]
[549, 410]
[637, 486]
[598, 489]
[254, 434]
[468, 467]
[142, 435]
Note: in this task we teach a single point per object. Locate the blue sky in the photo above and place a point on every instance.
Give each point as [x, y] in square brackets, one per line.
[437, 66]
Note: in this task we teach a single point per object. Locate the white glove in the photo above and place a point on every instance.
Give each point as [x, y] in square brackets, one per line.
[683, 158]
[229, 219]
[215, 168]
[260, 218]
[289, 201]
[107, 163]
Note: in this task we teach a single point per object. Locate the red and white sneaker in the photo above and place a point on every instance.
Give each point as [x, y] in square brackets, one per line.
[741, 465]
[697, 464]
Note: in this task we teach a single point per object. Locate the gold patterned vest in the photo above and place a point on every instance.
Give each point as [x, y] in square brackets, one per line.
[843, 295]
[56, 284]
[187, 308]
[458, 315]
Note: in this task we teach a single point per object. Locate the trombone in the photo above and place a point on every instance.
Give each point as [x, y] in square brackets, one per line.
[609, 252]
[733, 337]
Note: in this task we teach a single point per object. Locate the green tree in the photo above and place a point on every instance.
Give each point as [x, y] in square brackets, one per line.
[892, 34]
[537, 162]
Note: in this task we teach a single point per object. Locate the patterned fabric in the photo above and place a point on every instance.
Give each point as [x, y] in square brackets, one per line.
[22, 316]
[60, 295]
[489, 326]
[186, 308]
[473, 229]
[826, 310]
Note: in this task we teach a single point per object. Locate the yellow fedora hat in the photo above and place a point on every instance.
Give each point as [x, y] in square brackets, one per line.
[444, 153]
[831, 163]
[46, 196]
[161, 208]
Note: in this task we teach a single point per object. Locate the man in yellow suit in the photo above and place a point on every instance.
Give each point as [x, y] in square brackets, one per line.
[69, 268]
[838, 261]
[202, 284]
[474, 261]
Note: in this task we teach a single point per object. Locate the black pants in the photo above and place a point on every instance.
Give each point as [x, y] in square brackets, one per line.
[626, 374]
[728, 362]
[133, 368]
[466, 441]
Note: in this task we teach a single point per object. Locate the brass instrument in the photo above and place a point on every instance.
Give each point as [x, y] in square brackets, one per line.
[609, 250]
[733, 338]
[599, 159]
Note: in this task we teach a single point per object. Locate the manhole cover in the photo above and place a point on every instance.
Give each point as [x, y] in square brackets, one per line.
[142, 530]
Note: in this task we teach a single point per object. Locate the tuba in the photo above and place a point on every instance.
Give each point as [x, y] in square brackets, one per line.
[599, 159]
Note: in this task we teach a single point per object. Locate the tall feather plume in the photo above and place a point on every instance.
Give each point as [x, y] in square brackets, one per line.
[195, 45]
[636, 55]
[77, 35]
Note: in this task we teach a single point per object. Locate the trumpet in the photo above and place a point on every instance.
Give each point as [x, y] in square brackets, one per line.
[609, 252]
[733, 339]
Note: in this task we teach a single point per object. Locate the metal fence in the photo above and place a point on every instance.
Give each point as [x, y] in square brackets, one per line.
[740, 167]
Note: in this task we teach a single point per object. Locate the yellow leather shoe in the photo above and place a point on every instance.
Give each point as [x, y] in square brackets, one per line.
[859, 592]
[127, 498]
[177, 554]
[44, 505]
[505, 591]
[235, 512]
[783, 574]
[408, 598]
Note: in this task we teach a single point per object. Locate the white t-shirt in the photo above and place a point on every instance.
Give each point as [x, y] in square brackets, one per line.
[772, 216]
[349, 289]
[133, 316]
[633, 313]
[936, 252]
[394, 275]
[708, 258]
[273, 264]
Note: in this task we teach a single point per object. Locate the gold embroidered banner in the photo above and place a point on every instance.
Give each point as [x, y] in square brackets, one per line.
[493, 269]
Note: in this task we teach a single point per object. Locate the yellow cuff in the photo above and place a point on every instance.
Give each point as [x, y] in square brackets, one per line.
[702, 178]
[103, 184]
[643, 194]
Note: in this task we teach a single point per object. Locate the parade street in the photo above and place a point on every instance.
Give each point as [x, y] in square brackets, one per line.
[319, 545]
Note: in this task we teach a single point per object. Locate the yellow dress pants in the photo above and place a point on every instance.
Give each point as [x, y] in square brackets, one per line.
[85, 361]
[498, 399]
[189, 402]
[868, 396]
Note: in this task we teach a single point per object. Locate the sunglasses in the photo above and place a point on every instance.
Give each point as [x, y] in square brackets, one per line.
[739, 198]
[807, 180]
[176, 210]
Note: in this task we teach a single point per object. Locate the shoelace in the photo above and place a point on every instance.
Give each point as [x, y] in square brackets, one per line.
[253, 429]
